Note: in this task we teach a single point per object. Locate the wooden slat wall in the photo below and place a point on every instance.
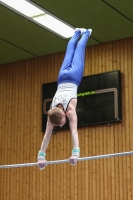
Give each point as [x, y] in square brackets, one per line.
[21, 136]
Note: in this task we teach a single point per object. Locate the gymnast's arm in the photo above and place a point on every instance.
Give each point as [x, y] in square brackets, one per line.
[72, 116]
[47, 136]
[44, 145]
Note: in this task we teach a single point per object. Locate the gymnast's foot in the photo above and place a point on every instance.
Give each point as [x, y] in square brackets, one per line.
[83, 30]
[77, 29]
[90, 30]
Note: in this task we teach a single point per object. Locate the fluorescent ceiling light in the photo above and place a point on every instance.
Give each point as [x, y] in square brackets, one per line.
[55, 25]
[24, 7]
[40, 16]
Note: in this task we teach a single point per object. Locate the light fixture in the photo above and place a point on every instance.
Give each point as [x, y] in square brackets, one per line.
[55, 25]
[40, 16]
[23, 7]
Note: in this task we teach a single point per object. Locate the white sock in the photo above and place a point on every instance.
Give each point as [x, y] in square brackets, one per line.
[90, 30]
[83, 30]
[76, 29]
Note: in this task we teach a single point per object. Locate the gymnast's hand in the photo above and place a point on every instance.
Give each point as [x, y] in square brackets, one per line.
[73, 160]
[42, 163]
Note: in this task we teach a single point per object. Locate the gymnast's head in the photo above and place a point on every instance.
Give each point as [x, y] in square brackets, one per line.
[57, 116]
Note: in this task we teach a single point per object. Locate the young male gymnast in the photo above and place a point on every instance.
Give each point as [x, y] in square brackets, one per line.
[65, 100]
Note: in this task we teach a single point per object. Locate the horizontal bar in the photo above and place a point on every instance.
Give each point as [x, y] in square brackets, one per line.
[67, 160]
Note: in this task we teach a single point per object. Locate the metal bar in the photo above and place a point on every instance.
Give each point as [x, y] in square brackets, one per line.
[67, 160]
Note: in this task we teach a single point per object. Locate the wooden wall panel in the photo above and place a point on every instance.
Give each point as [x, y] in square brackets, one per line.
[21, 136]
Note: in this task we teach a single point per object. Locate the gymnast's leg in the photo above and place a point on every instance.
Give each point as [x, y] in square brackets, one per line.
[69, 54]
[79, 57]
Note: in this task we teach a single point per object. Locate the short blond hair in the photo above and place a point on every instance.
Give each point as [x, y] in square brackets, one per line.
[55, 116]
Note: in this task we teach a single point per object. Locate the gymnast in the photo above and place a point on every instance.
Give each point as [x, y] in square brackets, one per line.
[65, 100]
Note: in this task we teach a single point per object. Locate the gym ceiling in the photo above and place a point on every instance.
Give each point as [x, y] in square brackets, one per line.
[21, 39]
